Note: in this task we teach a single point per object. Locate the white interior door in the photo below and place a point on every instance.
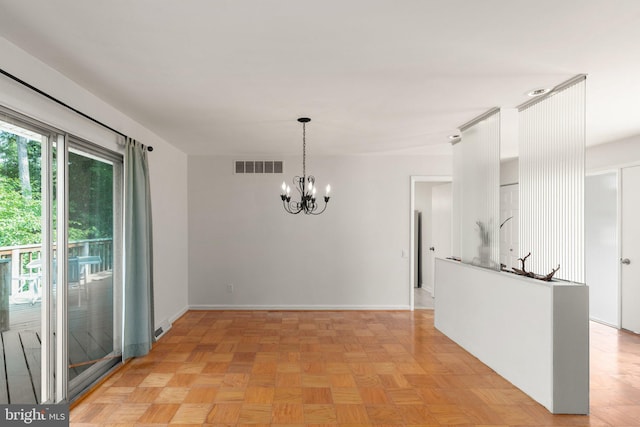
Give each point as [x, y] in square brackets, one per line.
[441, 212]
[630, 249]
[417, 248]
[602, 261]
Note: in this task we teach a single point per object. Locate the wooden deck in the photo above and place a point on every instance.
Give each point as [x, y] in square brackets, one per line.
[20, 367]
[90, 338]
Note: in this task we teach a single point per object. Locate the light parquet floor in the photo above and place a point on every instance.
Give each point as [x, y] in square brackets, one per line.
[348, 369]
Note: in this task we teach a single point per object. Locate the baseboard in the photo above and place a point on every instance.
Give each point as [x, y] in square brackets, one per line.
[168, 323]
[602, 322]
[430, 290]
[179, 314]
[299, 307]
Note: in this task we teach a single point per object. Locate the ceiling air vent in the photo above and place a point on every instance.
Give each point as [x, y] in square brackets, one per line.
[258, 166]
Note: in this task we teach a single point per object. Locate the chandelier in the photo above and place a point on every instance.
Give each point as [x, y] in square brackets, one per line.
[306, 186]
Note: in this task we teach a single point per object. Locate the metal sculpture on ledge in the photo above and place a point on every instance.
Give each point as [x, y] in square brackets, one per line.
[306, 186]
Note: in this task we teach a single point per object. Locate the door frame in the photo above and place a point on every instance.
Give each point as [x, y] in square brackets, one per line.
[412, 255]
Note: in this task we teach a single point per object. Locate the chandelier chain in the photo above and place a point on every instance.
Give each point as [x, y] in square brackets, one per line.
[304, 150]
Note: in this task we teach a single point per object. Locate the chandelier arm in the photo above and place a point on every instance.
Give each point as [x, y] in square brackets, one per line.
[318, 213]
[289, 209]
[285, 205]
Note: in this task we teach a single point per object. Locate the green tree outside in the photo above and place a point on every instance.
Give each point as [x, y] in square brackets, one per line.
[90, 195]
[20, 214]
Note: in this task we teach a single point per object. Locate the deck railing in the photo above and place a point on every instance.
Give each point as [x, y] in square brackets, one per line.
[23, 256]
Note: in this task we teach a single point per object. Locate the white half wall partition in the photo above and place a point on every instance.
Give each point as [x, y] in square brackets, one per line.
[533, 333]
[551, 176]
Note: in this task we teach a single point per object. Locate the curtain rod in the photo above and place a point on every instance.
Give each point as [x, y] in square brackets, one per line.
[67, 106]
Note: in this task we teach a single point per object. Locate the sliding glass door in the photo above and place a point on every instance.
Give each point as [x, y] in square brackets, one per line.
[21, 269]
[93, 303]
[57, 191]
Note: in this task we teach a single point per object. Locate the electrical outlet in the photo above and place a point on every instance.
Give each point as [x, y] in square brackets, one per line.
[230, 288]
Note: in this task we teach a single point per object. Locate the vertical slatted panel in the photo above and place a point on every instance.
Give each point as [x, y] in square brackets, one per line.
[552, 149]
[456, 196]
[480, 179]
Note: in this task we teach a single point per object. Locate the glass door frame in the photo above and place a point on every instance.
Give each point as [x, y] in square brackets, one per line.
[61, 341]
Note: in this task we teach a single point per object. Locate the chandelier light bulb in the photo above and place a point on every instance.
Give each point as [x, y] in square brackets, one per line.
[328, 189]
[284, 187]
[288, 190]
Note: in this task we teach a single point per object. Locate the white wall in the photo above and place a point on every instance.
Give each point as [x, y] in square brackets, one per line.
[613, 154]
[348, 257]
[509, 172]
[168, 165]
[170, 232]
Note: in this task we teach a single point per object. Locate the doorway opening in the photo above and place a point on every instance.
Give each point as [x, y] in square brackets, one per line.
[430, 206]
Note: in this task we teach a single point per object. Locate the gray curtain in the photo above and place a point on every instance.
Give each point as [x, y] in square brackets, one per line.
[138, 281]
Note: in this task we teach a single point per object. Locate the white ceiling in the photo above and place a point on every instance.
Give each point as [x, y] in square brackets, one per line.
[375, 76]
